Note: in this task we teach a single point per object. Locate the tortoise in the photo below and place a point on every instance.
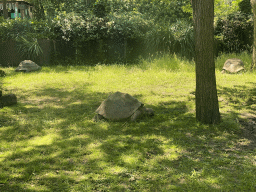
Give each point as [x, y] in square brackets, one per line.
[233, 66]
[120, 106]
[27, 66]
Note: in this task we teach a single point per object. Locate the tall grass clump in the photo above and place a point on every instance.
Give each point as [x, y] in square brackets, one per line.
[176, 39]
[29, 47]
[183, 43]
[169, 63]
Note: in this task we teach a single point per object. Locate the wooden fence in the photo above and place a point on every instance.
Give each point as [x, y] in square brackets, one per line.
[110, 50]
[11, 57]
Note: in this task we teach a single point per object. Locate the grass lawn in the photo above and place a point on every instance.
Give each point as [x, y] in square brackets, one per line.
[48, 141]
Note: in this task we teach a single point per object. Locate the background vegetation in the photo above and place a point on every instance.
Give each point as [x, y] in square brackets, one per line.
[124, 31]
[48, 141]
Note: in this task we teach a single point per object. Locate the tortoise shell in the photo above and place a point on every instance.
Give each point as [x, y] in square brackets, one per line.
[27, 66]
[118, 106]
[233, 65]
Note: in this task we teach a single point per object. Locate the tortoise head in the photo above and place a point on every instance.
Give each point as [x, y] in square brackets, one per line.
[148, 111]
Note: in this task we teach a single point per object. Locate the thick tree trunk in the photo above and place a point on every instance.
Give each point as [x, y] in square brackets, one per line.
[5, 9]
[253, 3]
[207, 107]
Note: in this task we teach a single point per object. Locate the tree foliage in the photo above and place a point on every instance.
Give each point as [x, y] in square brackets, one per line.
[245, 7]
[12, 29]
[223, 8]
[234, 33]
[162, 26]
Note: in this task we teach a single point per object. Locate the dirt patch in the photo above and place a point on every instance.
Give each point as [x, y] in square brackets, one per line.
[248, 127]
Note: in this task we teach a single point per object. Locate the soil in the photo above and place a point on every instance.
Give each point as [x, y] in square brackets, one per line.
[248, 127]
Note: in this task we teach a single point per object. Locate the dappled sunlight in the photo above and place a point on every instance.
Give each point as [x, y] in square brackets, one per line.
[45, 140]
[131, 160]
[114, 169]
[49, 141]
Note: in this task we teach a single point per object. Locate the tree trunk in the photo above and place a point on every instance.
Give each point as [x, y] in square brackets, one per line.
[207, 107]
[253, 3]
[5, 9]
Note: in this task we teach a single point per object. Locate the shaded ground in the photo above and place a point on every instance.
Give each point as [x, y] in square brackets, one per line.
[248, 127]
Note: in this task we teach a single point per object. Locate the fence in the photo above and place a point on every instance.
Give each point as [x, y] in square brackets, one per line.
[111, 50]
[11, 57]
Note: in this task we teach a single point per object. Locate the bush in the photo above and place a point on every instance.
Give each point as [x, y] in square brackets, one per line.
[183, 43]
[113, 35]
[26, 33]
[159, 40]
[29, 47]
[177, 38]
[13, 28]
[245, 7]
[107, 31]
[235, 33]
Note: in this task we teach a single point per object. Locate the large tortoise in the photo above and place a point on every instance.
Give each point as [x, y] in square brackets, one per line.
[233, 66]
[27, 66]
[120, 106]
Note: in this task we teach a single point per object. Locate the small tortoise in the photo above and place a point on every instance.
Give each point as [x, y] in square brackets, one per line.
[120, 106]
[27, 66]
[233, 66]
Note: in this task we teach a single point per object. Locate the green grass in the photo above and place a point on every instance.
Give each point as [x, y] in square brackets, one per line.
[48, 141]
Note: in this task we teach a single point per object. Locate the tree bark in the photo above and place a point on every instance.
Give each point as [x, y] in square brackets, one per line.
[207, 107]
[253, 3]
[5, 9]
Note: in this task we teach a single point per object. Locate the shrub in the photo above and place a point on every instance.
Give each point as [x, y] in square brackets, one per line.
[177, 38]
[235, 33]
[183, 43]
[13, 28]
[245, 7]
[29, 47]
[159, 40]
[113, 35]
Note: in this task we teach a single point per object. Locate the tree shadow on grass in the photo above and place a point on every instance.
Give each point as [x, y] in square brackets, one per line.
[242, 101]
[54, 146]
[43, 137]
[53, 138]
[215, 155]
